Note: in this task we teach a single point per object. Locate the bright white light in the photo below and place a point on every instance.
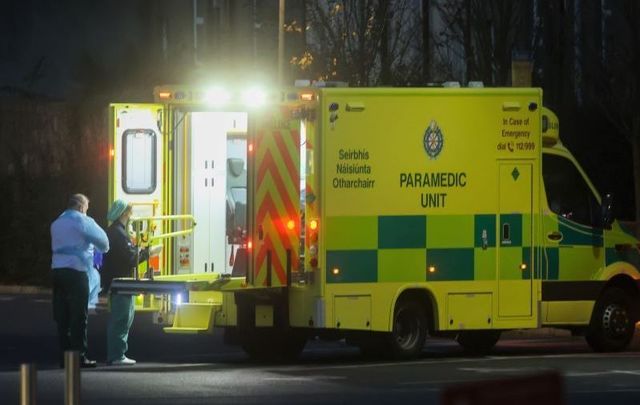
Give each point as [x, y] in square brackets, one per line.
[254, 97]
[178, 299]
[217, 96]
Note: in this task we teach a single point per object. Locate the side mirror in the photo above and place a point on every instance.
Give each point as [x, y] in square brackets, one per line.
[607, 211]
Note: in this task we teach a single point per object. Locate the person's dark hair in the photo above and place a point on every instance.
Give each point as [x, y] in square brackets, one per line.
[76, 201]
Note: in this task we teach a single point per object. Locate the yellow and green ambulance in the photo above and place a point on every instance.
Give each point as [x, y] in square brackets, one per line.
[378, 215]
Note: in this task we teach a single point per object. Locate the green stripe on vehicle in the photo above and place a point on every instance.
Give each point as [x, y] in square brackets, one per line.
[484, 226]
[450, 264]
[576, 234]
[402, 232]
[537, 265]
[354, 266]
[550, 264]
[630, 255]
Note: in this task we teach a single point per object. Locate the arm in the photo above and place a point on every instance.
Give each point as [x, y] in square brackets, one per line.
[96, 235]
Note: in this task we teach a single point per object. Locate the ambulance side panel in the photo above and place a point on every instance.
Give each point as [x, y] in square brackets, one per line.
[433, 190]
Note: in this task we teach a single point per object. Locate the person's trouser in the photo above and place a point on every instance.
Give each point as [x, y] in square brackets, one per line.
[120, 320]
[70, 297]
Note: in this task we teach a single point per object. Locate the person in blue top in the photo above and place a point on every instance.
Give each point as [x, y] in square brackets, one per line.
[74, 236]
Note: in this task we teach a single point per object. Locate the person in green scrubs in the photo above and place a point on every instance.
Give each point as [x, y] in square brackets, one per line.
[120, 262]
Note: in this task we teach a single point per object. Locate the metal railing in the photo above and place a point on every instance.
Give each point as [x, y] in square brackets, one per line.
[145, 235]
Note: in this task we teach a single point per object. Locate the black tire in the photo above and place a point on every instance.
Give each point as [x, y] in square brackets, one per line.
[478, 342]
[612, 322]
[409, 330]
[274, 344]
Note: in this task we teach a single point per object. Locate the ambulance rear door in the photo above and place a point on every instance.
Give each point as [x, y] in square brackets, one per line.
[137, 158]
[274, 189]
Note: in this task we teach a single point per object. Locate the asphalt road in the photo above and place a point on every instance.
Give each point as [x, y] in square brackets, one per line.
[201, 370]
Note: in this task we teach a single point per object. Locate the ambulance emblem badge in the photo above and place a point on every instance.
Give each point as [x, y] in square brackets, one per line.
[433, 140]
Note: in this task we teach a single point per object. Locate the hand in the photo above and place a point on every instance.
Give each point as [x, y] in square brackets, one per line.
[155, 249]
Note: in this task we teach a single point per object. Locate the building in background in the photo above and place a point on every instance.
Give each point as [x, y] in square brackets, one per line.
[122, 48]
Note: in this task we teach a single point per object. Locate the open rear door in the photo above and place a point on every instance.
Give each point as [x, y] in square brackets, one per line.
[275, 192]
[137, 153]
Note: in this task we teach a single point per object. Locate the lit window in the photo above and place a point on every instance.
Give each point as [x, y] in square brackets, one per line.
[139, 161]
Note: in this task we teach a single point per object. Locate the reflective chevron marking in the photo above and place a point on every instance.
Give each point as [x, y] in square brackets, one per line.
[277, 199]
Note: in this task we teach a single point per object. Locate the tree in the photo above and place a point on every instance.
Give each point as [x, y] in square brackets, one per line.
[363, 42]
[479, 35]
[617, 83]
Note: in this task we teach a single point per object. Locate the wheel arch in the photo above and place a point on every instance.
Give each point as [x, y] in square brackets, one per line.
[628, 284]
[424, 297]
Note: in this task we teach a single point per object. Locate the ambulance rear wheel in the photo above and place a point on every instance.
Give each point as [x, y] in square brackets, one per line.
[612, 323]
[409, 330]
[478, 342]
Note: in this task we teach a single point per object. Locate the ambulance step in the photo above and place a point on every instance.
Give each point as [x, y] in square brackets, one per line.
[194, 318]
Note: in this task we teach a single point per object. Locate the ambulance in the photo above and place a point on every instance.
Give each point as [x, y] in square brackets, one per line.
[377, 215]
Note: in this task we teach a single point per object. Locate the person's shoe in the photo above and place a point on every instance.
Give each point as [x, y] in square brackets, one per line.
[124, 361]
[86, 363]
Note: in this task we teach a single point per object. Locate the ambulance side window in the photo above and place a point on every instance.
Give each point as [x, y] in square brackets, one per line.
[139, 161]
[568, 195]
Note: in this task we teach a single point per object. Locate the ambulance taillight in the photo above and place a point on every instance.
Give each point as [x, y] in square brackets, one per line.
[306, 96]
[312, 234]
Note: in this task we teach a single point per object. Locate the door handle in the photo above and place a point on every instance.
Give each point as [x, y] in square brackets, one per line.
[555, 236]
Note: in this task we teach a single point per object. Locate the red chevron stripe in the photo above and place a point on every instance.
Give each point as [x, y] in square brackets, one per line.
[268, 164]
[276, 146]
[279, 142]
[268, 208]
[290, 207]
[286, 156]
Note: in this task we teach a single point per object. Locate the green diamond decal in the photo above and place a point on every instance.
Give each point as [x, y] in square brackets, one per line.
[515, 173]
